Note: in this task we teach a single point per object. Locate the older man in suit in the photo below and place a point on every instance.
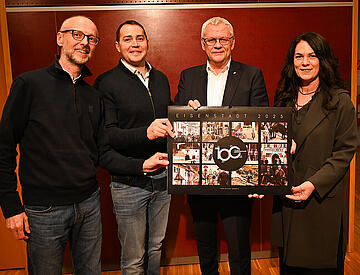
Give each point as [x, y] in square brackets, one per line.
[221, 82]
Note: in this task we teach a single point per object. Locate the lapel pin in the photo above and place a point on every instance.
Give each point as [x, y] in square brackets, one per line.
[234, 72]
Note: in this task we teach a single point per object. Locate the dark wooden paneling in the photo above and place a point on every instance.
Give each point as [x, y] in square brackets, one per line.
[110, 252]
[262, 39]
[38, 3]
[32, 39]
[13, 254]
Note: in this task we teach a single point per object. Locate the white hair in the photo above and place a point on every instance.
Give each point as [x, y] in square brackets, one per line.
[216, 21]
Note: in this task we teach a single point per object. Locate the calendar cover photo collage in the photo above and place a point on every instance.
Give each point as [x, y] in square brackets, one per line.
[221, 150]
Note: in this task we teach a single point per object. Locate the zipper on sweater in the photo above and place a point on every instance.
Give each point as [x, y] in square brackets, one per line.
[147, 88]
[152, 102]
[75, 102]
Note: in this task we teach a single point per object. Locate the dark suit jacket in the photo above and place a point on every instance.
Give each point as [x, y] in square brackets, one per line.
[326, 142]
[245, 86]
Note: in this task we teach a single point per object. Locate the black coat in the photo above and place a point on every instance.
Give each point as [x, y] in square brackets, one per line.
[326, 141]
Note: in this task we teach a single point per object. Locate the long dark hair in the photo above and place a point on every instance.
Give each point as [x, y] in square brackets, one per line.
[329, 77]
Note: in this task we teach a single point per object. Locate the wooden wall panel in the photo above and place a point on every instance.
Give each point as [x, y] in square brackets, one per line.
[37, 3]
[32, 40]
[174, 37]
[262, 39]
[12, 252]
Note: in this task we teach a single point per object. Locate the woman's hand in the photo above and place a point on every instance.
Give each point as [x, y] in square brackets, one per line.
[293, 147]
[301, 192]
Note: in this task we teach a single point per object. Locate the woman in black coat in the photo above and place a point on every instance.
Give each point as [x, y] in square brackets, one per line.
[310, 225]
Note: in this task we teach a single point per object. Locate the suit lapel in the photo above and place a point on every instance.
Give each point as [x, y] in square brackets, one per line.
[200, 92]
[313, 117]
[231, 83]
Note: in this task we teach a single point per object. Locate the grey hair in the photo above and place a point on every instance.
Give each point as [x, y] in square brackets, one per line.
[216, 21]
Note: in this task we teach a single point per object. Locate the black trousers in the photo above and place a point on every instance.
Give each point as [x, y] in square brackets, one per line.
[235, 212]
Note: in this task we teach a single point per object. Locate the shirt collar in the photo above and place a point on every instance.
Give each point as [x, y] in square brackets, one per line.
[209, 69]
[72, 78]
[84, 71]
[134, 70]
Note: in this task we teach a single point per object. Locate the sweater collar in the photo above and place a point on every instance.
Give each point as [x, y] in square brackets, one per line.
[56, 70]
[129, 72]
[133, 69]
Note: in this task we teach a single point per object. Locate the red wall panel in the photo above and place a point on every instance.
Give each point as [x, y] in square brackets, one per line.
[37, 3]
[32, 40]
[262, 39]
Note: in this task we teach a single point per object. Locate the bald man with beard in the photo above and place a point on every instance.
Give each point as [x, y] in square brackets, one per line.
[56, 118]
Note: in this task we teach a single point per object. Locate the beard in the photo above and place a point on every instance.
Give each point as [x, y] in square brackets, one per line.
[76, 60]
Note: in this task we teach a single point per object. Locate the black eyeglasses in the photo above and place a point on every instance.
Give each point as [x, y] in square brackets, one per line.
[79, 36]
[223, 41]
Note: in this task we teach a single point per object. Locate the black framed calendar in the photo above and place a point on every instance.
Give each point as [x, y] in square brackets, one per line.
[229, 150]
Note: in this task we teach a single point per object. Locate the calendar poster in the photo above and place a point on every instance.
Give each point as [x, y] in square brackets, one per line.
[230, 150]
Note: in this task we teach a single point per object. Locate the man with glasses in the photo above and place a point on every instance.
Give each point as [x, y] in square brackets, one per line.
[136, 97]
[57, 120]
[221, 82]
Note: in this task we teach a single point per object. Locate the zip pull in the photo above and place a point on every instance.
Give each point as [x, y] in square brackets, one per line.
[152, 101]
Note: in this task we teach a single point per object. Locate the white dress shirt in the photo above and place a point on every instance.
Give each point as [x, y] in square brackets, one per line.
[216, 84]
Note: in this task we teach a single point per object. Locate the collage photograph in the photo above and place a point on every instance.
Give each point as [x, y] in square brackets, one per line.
[274, 132]
[246, 175]
[214, 131]
[185, 174]
[246, 131]
[186, 131]
[273, 175]
[213, 175]
[186, 152]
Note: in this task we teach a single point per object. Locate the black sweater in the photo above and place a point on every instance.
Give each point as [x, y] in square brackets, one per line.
[59, 128]
[130, 108]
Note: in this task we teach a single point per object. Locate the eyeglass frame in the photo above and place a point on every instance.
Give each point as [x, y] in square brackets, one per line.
[85, 35]
[218, 40]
